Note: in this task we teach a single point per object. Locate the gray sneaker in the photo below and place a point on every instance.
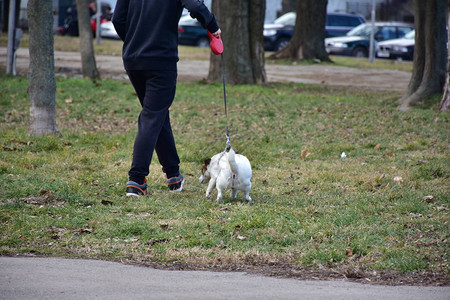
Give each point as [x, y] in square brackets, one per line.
[176, 183]
[135, 189]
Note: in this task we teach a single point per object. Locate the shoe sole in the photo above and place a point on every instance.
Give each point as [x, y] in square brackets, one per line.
[133, 195]
[178, 189]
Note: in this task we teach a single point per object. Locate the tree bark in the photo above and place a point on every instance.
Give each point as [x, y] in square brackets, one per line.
[41, 74]
[430, 53]
[288, 6]
[88, 64]
[445, 102]
[308, 39]
[241, 22]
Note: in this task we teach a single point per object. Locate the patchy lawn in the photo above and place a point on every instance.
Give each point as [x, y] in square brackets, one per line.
[379, 215]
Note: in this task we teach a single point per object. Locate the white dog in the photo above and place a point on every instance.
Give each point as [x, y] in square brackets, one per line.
[227, 170]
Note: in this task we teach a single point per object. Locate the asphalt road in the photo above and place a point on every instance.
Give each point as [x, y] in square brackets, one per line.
[56, 278]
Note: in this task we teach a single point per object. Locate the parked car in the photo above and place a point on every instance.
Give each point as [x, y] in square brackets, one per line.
[70, 26]
[357, 41]
[107, 30]
[191, 32]
[398, 48]
[278, 34]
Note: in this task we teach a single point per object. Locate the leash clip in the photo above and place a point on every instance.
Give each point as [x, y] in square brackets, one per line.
[228, 146]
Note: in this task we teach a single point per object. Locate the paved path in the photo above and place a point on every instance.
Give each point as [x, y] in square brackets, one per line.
[112, 67]
[55, 278]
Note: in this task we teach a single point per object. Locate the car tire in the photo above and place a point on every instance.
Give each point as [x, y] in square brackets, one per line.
[203, 42]
[360, 52]
[281, 43]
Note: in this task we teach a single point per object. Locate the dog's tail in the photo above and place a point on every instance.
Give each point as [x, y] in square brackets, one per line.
[232, 161]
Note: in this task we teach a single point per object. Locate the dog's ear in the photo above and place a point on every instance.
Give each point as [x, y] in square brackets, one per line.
[205, 165]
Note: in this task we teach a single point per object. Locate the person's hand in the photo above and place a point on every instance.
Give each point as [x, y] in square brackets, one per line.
[217, 33]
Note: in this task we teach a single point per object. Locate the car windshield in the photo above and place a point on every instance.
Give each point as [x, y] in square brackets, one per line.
[286, 19]
[410, 35]
[361, 30]
[111, 3]
[187, 20]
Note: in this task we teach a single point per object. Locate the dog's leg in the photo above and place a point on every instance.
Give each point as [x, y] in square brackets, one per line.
[219, 195]
[211, 184]
[234, 193]
[247, 196]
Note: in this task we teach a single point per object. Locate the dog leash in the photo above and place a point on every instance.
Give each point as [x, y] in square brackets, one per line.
[228, 146]
[217, 48]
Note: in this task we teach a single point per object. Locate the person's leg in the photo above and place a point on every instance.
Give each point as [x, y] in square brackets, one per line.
[167, 151]
[156, 99]
[138, 79]
[168, 157]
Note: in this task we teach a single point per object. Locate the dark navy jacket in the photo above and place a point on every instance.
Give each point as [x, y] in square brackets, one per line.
[149, 29]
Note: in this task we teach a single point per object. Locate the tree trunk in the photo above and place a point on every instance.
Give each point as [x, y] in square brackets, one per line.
[41, 76]
[445, 102]
[241, 22]
[288, 6]
[430, 53]
[89, 67]
[309, 32]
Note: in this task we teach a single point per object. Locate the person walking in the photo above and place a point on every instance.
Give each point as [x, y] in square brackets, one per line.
[149, 30]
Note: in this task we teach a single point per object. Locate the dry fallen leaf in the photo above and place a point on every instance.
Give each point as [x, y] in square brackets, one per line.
[429, 198]
[47, 194]
[221, 245]
[240, 237]
[439, 208]
[377, 146]
[43, 191]
[344, 189]
[305, 153]
[349, 252]
[164, 226]
[152, 242]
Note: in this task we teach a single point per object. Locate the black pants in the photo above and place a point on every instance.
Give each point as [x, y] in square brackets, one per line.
[156, 91]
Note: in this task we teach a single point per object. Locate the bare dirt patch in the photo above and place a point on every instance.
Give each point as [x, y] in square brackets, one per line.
[111, 67]
[287, 270]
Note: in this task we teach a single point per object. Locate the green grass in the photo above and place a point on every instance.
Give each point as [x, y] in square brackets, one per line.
[63, 196]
